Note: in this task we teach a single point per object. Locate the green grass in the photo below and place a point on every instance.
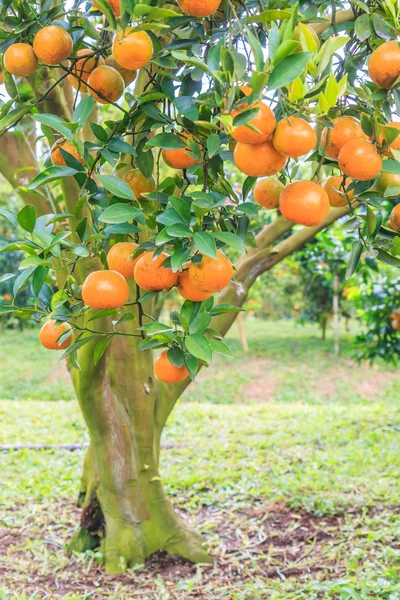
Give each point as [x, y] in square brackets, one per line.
[288, 427]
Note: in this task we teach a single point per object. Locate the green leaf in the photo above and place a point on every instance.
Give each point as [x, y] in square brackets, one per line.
[176, 356]
[117, 187]
[248, 208]
[393, 261]
[213, 144]
[83, 111]
[221, 309]
[99, 132]
[355, 257]
[179, 230]
[22, 279]
[14, 116]
[6, 309]
[363, 27]
[7, 214]
[332, 45]
[256, 49]
[285, 49]
[200, 323]
[27, 217]
[120, 213]
[166, 141]
[288, 69]
[128, 316]
[192, 365]
[244, 116]
[179, 258]
[220, 348]
[205, 244]
[199, 346]
[76, 345]
[7, 276]
[189, 60]
[230, 239]
[181, 207]
[149, 345]
[248, 185]
[55, 123]
[100, 348]
[50, 174]
[269, 16]
[391, 166]
[105, 8]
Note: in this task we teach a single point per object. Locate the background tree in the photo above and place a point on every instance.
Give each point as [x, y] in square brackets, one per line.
[203, 71]
[323, 264]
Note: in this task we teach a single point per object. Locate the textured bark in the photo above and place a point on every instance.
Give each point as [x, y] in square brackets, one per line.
[125, 509]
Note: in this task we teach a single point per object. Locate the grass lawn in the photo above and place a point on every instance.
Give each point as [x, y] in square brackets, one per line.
[290, 471]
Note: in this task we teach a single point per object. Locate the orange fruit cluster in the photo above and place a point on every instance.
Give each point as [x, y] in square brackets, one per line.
[51, 45]
[109, 290]
[264, 145]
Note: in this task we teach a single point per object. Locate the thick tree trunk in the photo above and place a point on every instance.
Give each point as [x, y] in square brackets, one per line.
[125, 511]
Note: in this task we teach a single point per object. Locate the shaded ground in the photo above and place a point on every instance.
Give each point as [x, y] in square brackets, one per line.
[258, 548]
[290, 471]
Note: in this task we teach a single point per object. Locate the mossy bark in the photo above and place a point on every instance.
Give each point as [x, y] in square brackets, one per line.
[125, 511]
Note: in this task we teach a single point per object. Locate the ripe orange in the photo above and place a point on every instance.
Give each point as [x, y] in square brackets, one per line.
[83, 67]
[151, 276]
[107, 83]
[395, 218]
[52, 44]
[132, 49]
[127, 75]
[334, 188]
[20, 60]
[264, 120]
[56, 156]
[119, 259]
[259, 160]
[188, 291]
[294, 137]
[166, 371]
[395, 317]
[396, 324]
[395, 145]
[344, 129]
[199, 8]
[50, 333]
[268, 191]
[385, 180]
[384, 64]
[211, 275]
[304, 202]
[104, 290]
[139, 184]
[360, 159]
[115, 6]
[179, 159]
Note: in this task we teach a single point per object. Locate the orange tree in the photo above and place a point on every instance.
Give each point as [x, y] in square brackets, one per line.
[282, 93]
